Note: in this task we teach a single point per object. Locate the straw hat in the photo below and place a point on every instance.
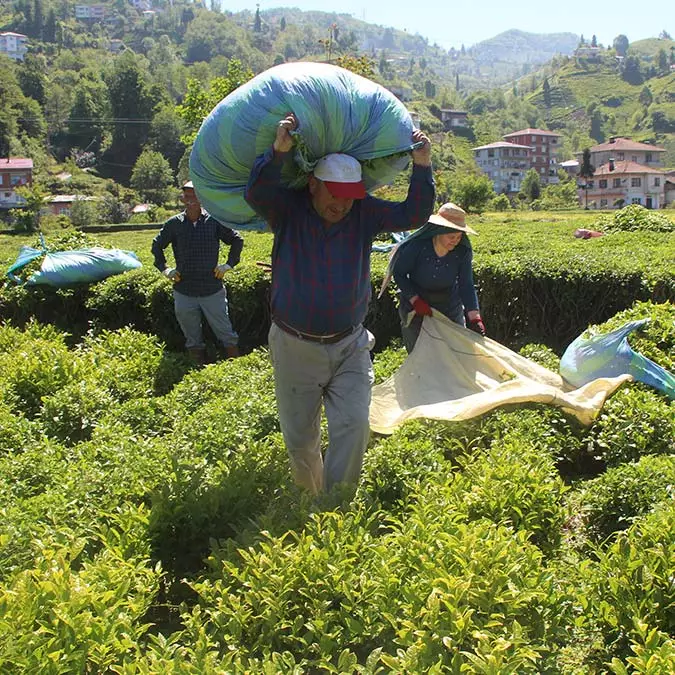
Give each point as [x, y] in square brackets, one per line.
[452, 216]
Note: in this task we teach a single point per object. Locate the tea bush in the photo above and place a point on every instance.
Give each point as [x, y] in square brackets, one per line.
[632, 580]
[36, 368]
[633, 218]
[634, 422]
[613, 501]
[71, 413]
[73, 614]
[516, 485]
[16, 432]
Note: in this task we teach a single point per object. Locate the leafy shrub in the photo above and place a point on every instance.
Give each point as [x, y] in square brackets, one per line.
[71, 413]
[613, 501]
[542, 355]
[514, 485]
[73, 615]
[632, 580]
[130, 364]
[202, 502]
[36, 368]
[16, 432]
[634, 422]
[142, 416]
[635, 217]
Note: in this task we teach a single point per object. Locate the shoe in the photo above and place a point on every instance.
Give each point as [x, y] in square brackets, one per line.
[197, 355]
[232, 352]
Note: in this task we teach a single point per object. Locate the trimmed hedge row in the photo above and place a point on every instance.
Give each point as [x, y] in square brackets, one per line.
[535, 285]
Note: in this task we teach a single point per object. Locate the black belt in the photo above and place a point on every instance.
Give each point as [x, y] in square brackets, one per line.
[321, 339]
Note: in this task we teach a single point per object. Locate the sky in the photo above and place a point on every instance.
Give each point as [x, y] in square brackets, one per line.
[451, 24]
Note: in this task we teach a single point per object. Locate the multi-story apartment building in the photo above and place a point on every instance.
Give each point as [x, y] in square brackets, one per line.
[14, 45]
[504, 163]
[544, 151]
[14, 172]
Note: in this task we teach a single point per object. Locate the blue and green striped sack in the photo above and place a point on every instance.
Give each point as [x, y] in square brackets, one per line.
[337, 111]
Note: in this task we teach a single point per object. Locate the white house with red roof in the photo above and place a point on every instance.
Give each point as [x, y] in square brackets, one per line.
[14, 172]
[544, 151]
[14, 45]
[626, 172]
[623, 149]
[616, 184]
[504, 163]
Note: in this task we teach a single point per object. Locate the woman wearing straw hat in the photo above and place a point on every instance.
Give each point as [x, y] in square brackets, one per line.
[433, 271]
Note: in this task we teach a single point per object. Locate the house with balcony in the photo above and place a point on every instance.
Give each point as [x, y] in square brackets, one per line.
[61, 205]
[624, 150]
[90, 12]
[617, 184]
[544, 149]
[505, 164]
[14, 172]
[454, 119]
[14, 45]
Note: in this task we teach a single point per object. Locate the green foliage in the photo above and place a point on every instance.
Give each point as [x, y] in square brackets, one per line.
[632, 580]
[472, 193]
[152, 177]
[634, 218]
[542, 355]
[614, 500]
[72, 613]
[71, 413]
[500, 203]
[635, 422]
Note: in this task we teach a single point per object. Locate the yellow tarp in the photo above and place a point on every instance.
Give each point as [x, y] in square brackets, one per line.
[455, 374]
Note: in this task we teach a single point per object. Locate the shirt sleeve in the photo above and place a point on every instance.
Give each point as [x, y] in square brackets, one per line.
[264, 192]
[467, 289]
[387, 216]
[234, 240]
[160, 242]
[403, 268]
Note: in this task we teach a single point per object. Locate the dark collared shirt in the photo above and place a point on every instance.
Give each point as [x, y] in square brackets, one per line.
[320, 272]
[195, 249]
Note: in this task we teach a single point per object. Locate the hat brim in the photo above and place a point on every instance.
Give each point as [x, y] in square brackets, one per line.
[460, 227]
[346, 190]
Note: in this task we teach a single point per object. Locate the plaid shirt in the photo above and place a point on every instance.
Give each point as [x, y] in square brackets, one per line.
[196, 247]
[321, 273]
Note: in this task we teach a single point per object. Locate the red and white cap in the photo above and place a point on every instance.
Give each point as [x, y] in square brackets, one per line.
[342, 175]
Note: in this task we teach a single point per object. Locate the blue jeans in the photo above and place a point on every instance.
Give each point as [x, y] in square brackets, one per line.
[191, 309]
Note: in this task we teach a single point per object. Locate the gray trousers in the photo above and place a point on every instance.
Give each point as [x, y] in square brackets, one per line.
[189, 311]
[340, 375]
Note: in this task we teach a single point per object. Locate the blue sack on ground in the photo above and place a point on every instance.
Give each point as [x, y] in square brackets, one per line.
[609, 355]
[337, 111]
[63, 268]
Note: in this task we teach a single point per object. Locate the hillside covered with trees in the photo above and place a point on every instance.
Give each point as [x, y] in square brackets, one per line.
[114, 101]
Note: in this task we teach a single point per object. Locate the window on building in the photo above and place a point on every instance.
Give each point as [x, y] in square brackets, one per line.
[636, 200]
[657, 182]
[534, 139]
[616, 182]
[602, 183]
[621, 156]
[15, 180]
[633, 158]
[603, 203]
[590, 184]
[636, 182]
[648, 157]
[491, 153]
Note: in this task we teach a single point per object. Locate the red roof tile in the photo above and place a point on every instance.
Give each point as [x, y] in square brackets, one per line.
[624, 167]
[626, 144]
[539, 132]
[15, 163]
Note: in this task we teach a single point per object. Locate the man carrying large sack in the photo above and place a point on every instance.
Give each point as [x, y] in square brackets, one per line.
[320, 292]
